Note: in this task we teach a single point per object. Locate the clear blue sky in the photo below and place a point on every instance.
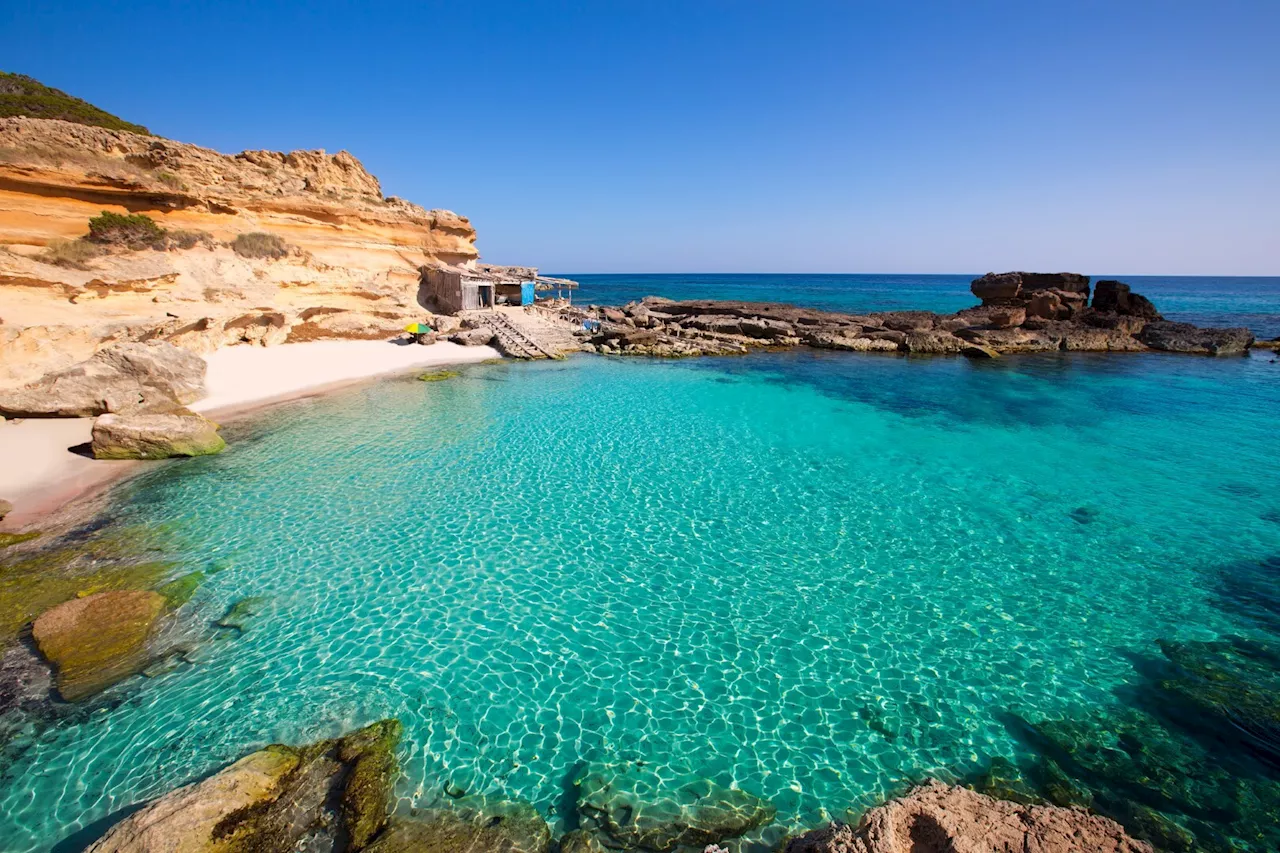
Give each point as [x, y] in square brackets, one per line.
[1118, 137]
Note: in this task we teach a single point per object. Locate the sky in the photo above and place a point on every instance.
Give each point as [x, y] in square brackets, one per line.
[1118, 137]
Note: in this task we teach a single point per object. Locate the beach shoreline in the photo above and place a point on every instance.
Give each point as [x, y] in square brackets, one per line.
[46, 469]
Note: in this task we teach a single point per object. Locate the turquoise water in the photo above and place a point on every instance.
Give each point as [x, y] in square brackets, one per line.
[813, 575]
[1203, 300]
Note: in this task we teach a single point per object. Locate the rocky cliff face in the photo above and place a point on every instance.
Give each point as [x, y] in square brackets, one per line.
[351, 269]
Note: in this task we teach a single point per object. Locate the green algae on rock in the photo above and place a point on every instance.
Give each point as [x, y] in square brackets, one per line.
[178, 592]
[630, 805]
[495, 827]
[271, 800]
[7, 539]
[371, 753]
[94, 642]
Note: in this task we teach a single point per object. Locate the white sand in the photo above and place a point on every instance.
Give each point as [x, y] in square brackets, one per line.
[39, 472]
[243, 375]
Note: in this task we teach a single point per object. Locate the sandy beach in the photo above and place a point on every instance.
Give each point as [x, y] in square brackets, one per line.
[44, 462]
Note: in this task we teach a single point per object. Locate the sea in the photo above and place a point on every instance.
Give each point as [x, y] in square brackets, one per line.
[819, 577]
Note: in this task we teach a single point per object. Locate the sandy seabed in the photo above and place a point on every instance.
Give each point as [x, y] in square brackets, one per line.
[45, 464]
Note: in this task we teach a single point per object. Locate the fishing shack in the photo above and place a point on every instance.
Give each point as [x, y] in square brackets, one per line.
[452, 289]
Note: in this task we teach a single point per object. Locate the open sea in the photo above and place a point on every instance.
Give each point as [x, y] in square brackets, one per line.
[816, 576]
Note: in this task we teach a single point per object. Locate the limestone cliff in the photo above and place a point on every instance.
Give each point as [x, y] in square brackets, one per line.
[351, 269]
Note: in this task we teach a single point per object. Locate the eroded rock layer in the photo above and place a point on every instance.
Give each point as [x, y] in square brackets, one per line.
[350, 266]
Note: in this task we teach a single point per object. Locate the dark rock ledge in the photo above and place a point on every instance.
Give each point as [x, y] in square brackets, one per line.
[1020, 312]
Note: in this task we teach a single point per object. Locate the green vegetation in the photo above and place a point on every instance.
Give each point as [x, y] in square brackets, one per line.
[7, 539]
[131, 230]
[259, 244]
[21, 95]
[170, 179]
[178, 592]
[73, 254]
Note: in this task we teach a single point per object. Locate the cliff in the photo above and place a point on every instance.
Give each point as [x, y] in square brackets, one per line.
[345, 260]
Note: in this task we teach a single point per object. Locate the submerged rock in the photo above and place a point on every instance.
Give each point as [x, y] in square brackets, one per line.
[126, 378]
[630, 806]
[94, 642]
[511, 827]
[242, 612]
[937, 818]
[155, 436]
[273, 799]
[179, 591]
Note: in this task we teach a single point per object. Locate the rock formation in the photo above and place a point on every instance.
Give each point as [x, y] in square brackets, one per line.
[155, 436]
[1020, 312]
[937, 818]
[94, 642]
[126, 378]
[351, 269]
[333, 794]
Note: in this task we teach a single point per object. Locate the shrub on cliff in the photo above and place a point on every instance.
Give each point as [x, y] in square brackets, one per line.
[133, 231]
[73, 254]
[21, 95]
[259, 244]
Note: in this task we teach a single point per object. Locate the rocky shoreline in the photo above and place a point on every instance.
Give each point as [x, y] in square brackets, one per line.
[336, 795]
[1019, 312]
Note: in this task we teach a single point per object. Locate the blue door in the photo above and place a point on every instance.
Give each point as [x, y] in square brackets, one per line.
[526, 293]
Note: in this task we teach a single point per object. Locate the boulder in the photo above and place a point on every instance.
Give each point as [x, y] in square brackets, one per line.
[480, 337]
[100, 639]
[1054, 304]
[938, 817]
[1184, 337]
[997, 287]
[126, 378]
[273, 799]
[494, 828]
[633, 807]
[1007, 317]
[1115, 297]
[907, 321]
[5, 508]
[155, 436]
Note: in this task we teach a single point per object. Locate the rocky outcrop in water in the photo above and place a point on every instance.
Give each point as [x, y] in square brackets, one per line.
[1184, 337]
[1020, 312]
[126, 378]
[330, 795]
[937, 818]
[155, 436]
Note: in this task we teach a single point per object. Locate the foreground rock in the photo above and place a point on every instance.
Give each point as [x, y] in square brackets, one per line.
[630, 807]
[125, 378]
[494, 828]
[329, 795]
[937, 818]
[155, 436]
[1020, 312]
[95, 641]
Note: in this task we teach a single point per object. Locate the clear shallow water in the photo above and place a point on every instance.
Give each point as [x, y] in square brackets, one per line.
[812, 575]
[1203, 300]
